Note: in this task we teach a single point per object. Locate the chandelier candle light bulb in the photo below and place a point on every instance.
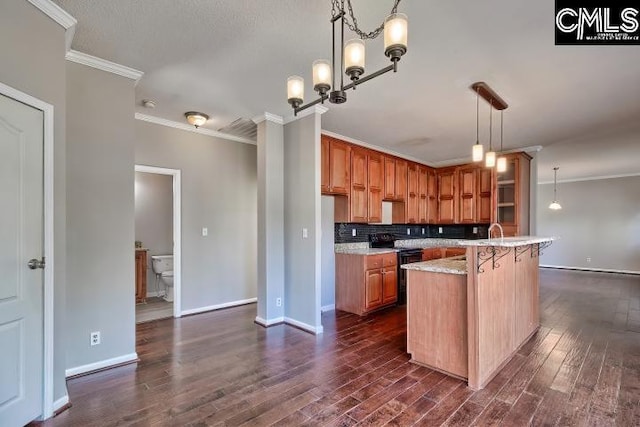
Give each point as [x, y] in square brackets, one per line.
[354, 54]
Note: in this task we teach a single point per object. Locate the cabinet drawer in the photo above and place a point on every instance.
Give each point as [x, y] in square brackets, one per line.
[390, 260]
[373, 262]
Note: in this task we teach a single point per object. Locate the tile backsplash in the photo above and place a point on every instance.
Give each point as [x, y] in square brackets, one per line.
[343, 231]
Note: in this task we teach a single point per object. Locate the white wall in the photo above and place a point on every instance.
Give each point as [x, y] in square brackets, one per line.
[154, 217]
[32, 48]
[302, 211]
[100, 215]
[328, 254]
[219, 191]
[600, 219]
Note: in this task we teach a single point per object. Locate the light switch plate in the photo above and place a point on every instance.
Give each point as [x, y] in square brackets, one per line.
[205, 231]
[440, 230]
[305, 233]
[353, 232]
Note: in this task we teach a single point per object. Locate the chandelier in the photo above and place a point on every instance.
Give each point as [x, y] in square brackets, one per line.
[483, 90]
[352, 55]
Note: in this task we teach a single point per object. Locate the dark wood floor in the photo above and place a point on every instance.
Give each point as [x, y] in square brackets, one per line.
[219, 368]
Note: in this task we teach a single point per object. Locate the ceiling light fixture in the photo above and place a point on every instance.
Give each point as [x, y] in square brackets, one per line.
[501, 164]
[555, 206]
[196, 119]
[483, 90]
[148, 103]
[352, 55]
[478, 149]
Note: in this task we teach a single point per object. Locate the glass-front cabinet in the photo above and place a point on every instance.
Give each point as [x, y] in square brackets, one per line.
[513, 195]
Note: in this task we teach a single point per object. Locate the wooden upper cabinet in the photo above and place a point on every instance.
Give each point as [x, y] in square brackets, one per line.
[411, 201]
[485, 203]
[401, 179]
[325, 179]
[389, 178]
[336, 170]
[376, 184]
[447, 195]
[513, 195]
[467, 194]
[412, 179]
[359, 191]
[423, 198]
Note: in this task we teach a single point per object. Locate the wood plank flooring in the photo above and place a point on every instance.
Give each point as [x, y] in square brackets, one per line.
[154, 308]
[220, 369]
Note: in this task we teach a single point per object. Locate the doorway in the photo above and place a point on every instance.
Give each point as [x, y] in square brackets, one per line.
[26, 247]
[162, 255]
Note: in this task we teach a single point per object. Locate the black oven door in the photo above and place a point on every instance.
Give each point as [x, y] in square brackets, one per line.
[406, 257]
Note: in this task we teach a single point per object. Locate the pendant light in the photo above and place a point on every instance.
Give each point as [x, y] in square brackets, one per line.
[555, 206]
[501, 165]
[478, 149]
[490, 157]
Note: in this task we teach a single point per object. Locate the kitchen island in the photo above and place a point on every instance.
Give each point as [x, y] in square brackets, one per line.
[468, 315]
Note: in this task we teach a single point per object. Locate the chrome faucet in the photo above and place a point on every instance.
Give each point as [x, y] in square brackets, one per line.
[495, 224]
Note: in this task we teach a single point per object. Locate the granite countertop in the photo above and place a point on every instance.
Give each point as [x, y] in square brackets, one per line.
[452, 265]
[363, 248]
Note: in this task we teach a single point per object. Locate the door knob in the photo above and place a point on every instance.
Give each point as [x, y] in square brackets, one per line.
[36, 263]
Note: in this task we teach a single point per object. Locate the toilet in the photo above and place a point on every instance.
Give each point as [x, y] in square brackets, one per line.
[163, 268]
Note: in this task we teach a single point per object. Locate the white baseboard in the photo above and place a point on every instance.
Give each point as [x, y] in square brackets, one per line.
[78, 370]
[596, 270]
[60, 403]
[218, 306]
[329, 307]
[316, 330]
[269, 322]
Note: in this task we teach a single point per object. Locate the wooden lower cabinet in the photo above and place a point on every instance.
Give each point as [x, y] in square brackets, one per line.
[365, 283]
[141, 275]
[437, 253]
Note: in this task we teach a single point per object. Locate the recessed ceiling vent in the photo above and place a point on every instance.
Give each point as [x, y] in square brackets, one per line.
[244, 128]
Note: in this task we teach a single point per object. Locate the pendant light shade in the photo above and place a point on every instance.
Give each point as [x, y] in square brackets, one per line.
[490, 159]
[321, 76]
[501, 164]
[354, 58]
[295, 90]
[478, 149]
[395, 35]
[555, 206]
[478, 152]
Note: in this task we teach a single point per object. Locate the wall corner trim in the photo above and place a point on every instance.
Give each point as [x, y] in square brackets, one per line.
[60, 16]
[329, 307]
[268, 117]
[104, 65]
[103, 364]
[218, 306]
[316, 330]
[269, 322]
[592, 178]
[316, 109]
[594, 270]
[184, 126]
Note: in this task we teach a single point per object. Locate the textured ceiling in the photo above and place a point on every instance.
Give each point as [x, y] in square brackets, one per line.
[230, 59]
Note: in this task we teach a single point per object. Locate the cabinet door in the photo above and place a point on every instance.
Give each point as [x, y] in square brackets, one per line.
[401, 179]
[389, 285]
[412, 193]
[467, 194]
[376, 184]
[423, 201]
[325, 185]
[359, 193]
[432, 197]
[446, 196]
[389, 178]
[375, 206]
[485, 203]
[373, 289]
[339, 155]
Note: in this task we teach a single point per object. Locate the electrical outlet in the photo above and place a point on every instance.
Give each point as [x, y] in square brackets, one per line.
[588, 259]
[408, 232]
[423, 231]
[439, 230]
[95, 338]
[353, 232]
[475, 230]
[278, 302]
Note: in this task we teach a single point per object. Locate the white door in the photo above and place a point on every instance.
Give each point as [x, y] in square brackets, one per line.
[21, 239]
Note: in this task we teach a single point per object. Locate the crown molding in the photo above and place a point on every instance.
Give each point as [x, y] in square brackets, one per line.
[316, 109]
[268, 117]
[189, 128]
[60, 16]
[375, 147]
[591, 178]
[104, 65]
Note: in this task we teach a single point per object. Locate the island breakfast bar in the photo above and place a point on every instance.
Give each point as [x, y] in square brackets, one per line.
[468, 315]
